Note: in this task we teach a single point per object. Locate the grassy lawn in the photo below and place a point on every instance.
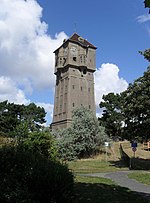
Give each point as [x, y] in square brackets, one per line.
[101, 190]
[97, 189]
[141, 177]
[93, 166]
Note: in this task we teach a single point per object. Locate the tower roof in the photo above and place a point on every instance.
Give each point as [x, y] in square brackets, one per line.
[83, 42]
[79, 40]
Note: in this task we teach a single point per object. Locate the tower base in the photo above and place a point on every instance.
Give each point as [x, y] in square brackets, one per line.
[61, 124]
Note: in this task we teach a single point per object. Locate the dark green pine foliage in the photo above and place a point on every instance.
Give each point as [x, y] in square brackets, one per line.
[18, 119]
[137, 107]
[34, 115]
[112, 118]
[146, 54]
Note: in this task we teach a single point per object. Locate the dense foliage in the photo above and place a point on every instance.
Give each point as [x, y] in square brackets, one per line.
[20, 119]
[146, 54]
[83, 138]
[30, 177]
[137, 107]
[128, 114]
[112, 117]
[41, 142]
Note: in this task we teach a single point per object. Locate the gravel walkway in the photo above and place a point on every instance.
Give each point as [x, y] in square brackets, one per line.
[121, 178]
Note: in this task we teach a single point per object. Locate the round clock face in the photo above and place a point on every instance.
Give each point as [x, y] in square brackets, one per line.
[73, 50]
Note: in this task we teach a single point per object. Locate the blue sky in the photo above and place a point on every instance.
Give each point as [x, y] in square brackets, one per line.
[110, 25]
[31, 30]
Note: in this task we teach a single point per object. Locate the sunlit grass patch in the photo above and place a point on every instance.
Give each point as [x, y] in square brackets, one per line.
[92, 166]
[142, 177]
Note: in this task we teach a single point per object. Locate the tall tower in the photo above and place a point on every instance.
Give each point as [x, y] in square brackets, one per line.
[74, 68]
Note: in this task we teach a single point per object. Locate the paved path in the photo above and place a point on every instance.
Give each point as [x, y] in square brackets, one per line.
[121, 178]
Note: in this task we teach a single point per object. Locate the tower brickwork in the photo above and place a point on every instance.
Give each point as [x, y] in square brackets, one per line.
[74, 68]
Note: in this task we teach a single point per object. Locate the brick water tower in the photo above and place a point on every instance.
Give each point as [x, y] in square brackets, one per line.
[74, 68]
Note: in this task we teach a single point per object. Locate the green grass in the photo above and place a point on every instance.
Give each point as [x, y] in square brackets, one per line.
[97, 189]
[88, 179]
[93, 166]
[101, 190]
[141, 177]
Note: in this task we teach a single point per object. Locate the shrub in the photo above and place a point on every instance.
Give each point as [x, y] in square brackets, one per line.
[83, 138]
[31, 178]
[42, 142]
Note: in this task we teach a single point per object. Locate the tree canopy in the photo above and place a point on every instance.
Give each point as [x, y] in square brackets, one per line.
[112, 116]
[128, 114]
[137, 106]
[15, 118]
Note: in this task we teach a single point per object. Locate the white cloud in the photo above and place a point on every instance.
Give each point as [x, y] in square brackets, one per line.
[26, 50]
[10, 91]
[49, 110]
[27, 59]
[107, 80]
[143, 18]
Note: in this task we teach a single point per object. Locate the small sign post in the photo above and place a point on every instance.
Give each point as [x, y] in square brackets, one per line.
[134, 146]
[134, 150]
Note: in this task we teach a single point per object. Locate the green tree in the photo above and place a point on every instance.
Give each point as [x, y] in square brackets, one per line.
[131, 108]
[34, 115]
[137, 107]
[146, 54]
[16, 119]
[41, 142]
[8, 117]
[83, 138]
[112, 118]
[65, 144]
